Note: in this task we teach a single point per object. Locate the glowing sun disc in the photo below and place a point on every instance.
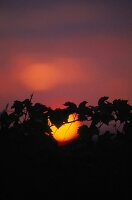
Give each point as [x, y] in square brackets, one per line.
[66, 132]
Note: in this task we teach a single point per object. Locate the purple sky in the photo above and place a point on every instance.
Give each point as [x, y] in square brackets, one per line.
[65, 50]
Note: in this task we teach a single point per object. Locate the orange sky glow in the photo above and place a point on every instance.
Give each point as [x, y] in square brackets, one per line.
[71, 51]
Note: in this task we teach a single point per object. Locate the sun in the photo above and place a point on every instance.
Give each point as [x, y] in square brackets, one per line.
[66, 132]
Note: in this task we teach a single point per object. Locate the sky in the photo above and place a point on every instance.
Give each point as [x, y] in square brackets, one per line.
[65, 50]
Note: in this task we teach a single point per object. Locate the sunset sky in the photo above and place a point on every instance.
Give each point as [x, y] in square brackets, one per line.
[64, 50]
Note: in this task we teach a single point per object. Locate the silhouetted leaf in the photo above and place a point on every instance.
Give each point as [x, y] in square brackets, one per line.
[27, 103]
[71, 107]
[40, 107]
[123, 109]
[82, 105]
[18, 107]
[102, 100]
[58, 117]
[84, 111]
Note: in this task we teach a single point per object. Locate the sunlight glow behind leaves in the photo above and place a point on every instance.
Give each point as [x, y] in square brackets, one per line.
[66, 132]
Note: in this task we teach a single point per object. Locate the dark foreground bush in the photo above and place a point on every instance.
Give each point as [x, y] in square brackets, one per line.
[33, 163]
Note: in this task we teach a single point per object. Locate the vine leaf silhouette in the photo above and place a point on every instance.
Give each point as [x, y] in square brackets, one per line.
[84, 111]
[102, 100]
[123, 110]
[58, 117]
[34, 118]
[71, 107]
[18, 107]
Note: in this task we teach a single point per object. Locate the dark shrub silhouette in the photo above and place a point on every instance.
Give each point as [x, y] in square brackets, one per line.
[31, 158]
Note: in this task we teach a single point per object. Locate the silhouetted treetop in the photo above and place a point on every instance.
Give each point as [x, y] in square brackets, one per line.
[34, 118]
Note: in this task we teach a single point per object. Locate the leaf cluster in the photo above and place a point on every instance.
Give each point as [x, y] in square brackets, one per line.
[34, 118]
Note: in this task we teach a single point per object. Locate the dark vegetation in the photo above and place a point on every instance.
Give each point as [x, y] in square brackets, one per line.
[32, 162]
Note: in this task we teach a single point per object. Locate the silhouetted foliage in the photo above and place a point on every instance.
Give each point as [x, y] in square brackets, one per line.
[71, 107]
[34, 118]
[58, 117]
[94, 159]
